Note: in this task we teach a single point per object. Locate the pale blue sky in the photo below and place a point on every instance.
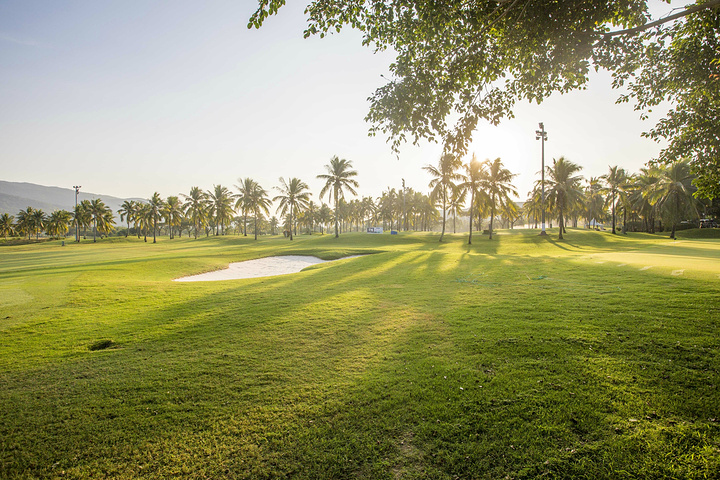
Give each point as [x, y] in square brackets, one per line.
[127, 98]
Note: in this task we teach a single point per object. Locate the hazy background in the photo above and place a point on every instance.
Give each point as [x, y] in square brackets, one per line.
[128, 98]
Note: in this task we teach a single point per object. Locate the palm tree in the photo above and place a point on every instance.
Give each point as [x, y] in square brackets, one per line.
[127, 212]
[325, 216]
[58, 223]
[640, 196]
[594, 201]
[6, 225]
[563, 187]
[339, 177]
[259, 203]
[673, 191]
[533, 205]
[144, 218]
[293, 196]
[274, 224]
[498, 187]
[172, 211]
[25, 221]
[156, 207]
[456, 202]
[82, 216]
[242, 202]
[106, 223]
[195, 208]
[445, 177]
[39, 222]
[474, 174]
[614, 180]
[97, 212]
[222, 210]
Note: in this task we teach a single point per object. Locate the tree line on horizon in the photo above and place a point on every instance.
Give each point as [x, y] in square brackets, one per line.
[479, 191]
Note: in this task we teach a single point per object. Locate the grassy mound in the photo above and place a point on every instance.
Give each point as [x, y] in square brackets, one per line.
[699, 233]
[520, 357]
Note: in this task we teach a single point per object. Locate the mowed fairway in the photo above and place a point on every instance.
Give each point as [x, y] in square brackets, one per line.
[521, 357]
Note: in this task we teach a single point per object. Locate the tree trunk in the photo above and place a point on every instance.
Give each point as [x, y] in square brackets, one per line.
[561, 223]
[472, 202]
[492, 216]
[443, 222]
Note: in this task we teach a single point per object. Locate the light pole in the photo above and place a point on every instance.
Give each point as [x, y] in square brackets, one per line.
[77, 224]
[542, 136]
[404, 212]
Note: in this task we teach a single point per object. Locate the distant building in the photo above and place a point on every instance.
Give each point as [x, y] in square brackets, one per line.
[595, 225]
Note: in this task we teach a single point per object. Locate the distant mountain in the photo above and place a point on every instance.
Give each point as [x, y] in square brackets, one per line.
[16, 196]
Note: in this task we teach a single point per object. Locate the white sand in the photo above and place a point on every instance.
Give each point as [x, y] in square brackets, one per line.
[261, 267]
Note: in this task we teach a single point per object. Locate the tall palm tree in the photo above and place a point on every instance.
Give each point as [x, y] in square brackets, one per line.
[196, 208]
[640, 196]
[82, 216]
[127, 213]
[222, 208]
[243, 199]
[474, 174]
[564, 187]
[259, 203]
[6, 225]
[156, 204]
[614, 181]
[144, 217]
[339, 178]
[446, 174]
[674, 190]
[293, 197]
[172, 212]
[498, 187]
[98, 211]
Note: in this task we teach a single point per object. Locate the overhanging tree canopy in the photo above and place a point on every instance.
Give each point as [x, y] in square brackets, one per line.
[462, 61]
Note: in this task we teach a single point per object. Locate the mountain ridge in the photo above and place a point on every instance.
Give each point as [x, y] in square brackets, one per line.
[16, 196]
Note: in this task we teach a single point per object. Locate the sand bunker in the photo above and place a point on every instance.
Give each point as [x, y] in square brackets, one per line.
[261, 267]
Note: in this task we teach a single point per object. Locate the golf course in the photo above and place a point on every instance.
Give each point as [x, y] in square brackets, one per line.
[592, 357]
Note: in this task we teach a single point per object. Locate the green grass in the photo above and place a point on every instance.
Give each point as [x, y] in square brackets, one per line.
[522, 357]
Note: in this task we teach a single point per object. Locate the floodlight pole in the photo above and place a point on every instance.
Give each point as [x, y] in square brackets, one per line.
[542, 136]
[404, 212]
[77, 223]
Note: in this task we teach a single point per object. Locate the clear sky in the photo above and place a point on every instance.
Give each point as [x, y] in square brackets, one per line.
[128, 98]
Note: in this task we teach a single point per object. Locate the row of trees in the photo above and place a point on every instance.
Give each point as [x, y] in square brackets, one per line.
[88, 213]
[645, 198]
[477, 190]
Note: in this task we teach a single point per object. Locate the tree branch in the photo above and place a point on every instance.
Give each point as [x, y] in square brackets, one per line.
[684, 13]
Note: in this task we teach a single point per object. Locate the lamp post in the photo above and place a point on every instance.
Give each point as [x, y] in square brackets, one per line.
[77, 224]
[542, 136]
[404, 211]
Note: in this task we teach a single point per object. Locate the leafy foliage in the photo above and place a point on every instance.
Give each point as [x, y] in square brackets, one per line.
[459, 63]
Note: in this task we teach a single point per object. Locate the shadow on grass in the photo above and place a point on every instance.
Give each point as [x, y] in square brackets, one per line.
[384, 367]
